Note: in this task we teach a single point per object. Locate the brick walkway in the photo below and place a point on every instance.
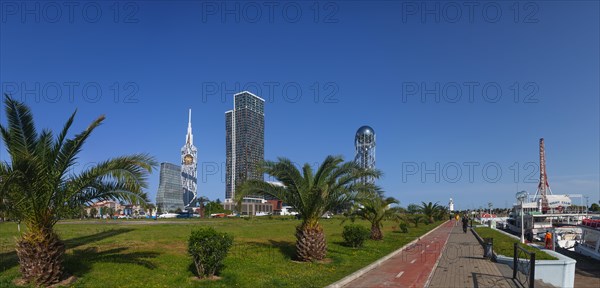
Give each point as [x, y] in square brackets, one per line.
[462, 265]
[412, 266]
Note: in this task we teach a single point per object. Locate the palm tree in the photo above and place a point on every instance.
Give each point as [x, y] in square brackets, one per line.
[93, 212]
[202, 200]
[429, 210]
[375, 209]
[40, 189]
[412, 208]
[441, 213]
[312, 195]
[414, 218]
[149, 209]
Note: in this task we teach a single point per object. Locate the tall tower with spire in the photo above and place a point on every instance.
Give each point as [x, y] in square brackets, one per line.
[189, 166]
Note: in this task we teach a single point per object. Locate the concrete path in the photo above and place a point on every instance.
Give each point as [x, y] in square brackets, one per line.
[412, 266]
[462, 265]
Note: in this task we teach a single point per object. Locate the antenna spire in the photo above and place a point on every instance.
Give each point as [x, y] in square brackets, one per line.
[189, 136]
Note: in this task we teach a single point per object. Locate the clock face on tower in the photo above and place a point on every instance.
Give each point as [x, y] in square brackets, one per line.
[188, 159]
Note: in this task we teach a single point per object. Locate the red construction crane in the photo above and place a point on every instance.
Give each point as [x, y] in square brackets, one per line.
[543, 186]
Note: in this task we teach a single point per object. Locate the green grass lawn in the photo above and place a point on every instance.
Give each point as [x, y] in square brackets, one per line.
[110, 253]
[503, 244]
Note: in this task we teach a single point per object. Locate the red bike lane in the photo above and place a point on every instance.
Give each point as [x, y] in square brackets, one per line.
[412, 266]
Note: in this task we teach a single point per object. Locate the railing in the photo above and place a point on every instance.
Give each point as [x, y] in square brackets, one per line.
[524, 266]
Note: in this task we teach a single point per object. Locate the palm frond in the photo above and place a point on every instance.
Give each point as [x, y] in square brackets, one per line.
[35, 186]
[22, 134]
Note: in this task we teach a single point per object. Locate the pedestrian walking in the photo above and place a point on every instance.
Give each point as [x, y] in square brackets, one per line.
[465, 222]
[456, 219]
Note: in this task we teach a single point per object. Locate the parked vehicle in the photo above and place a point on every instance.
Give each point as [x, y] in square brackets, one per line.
[168, 215]
[184, 215]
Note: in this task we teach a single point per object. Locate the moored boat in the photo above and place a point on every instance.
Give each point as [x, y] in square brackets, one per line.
[589, 245]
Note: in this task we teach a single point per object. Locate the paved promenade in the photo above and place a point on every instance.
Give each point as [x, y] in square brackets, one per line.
[462, 265]
[412, 266]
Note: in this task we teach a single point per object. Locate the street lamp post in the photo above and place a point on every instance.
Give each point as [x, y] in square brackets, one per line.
[521, 196]
[587, 207]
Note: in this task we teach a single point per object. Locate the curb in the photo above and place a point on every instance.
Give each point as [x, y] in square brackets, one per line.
[340, 283]
[480, 240]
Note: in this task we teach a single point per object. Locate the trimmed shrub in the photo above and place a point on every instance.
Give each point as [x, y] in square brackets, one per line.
[355, 235]
[208, 249]
[403, 227]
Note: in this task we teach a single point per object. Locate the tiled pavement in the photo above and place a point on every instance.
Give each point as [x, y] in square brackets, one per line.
[462, 265]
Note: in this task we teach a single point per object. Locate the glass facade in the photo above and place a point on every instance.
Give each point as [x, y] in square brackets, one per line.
[169, 193]
[228, 154]
[244, 141]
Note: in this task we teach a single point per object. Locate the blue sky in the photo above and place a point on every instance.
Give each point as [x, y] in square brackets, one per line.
[427, 81]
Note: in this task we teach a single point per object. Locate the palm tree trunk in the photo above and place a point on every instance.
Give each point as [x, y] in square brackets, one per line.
[40, 257]
[376, 233]
[310, 243]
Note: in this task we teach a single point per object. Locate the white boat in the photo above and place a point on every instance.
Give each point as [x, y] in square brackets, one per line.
[168, 215]
[589, 244]
[536, 221]
[567, 237]
[534, 226]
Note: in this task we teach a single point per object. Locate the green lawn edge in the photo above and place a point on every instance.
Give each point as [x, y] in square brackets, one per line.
[503, 244]
[155, 255]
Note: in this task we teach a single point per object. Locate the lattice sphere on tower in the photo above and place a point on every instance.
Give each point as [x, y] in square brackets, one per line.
[364, 142]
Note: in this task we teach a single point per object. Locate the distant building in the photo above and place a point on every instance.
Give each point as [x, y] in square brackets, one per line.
[451, 205]
[244, 141]
[189, 167]
[250, 206]
[364, 142]
[277, 206]
[102, 209]
[169, 197]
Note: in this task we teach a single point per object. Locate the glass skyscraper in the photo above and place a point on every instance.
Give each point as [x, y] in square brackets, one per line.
[244, 141]
[169, 197]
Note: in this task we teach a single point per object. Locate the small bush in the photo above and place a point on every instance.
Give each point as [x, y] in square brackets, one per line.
[355, 235]
[403, 227]
[208, 249]
[286, 218]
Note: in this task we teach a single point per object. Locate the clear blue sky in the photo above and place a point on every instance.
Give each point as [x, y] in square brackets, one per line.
[371, 63]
